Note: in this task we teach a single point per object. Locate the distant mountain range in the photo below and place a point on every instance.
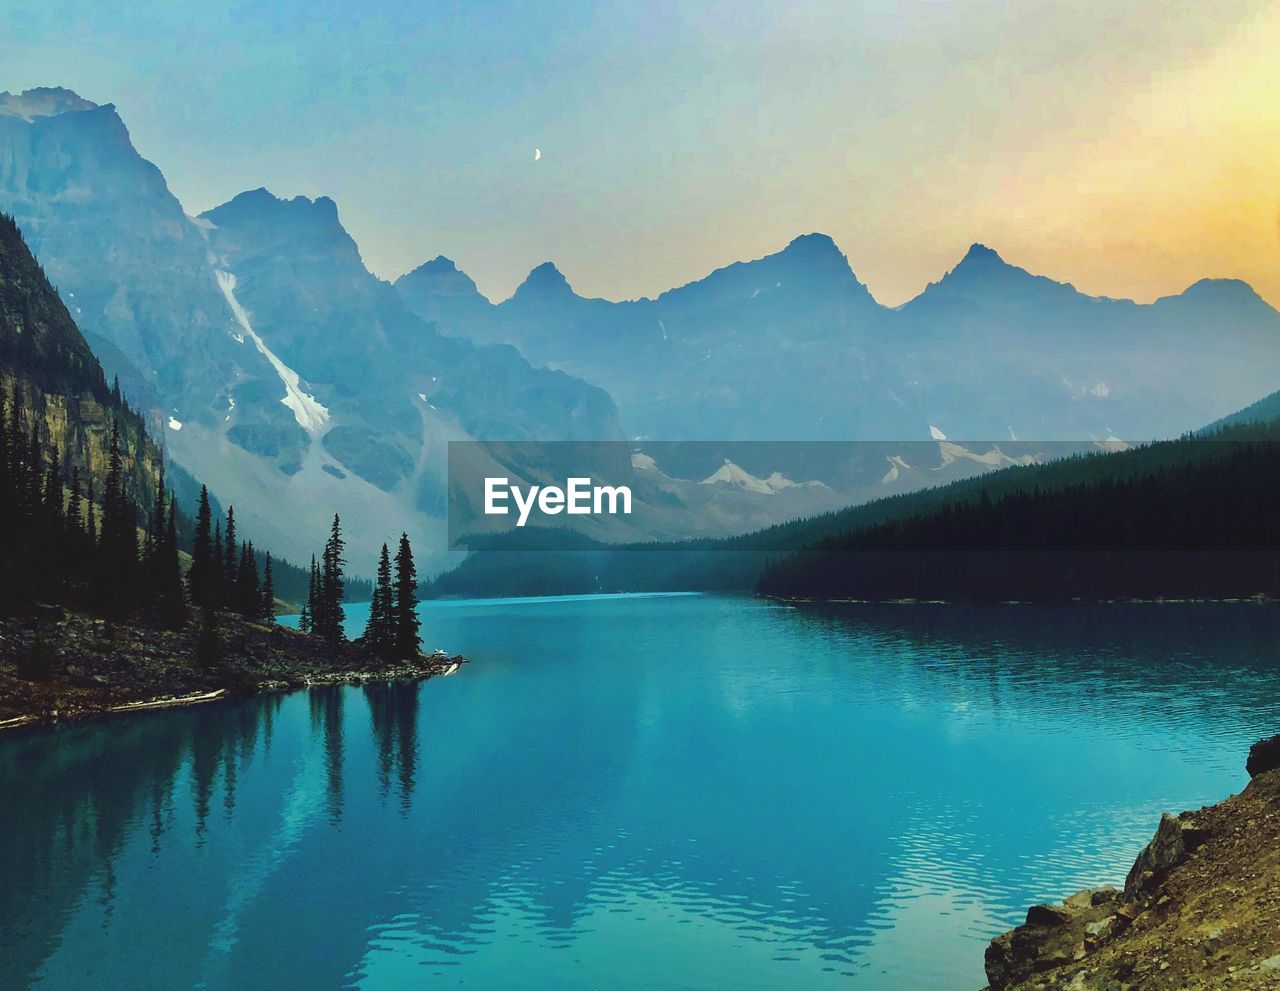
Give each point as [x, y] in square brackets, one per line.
[295, 383]
[792, 346]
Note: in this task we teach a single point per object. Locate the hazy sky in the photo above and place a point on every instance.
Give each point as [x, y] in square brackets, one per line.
[1128, 147]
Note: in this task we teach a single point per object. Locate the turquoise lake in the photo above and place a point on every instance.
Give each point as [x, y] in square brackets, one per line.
[639, 792]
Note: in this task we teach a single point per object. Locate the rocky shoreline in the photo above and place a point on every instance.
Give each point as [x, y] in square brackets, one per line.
[1199, 909]
[64, 665]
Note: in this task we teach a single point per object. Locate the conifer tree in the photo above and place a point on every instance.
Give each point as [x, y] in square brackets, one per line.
[267, 603]
[408, 641]
[217, 566]
[200, 576]
[329, 621]
[306, 619]
[248, 593]
[33, 480]
[90, 521]
[230, 563]
[172, 602]
[52, 559]
[8, 508]
[17, 431]
[119, 542]
[379, 634]
[155, 538]
[4, 445]
[53, 489]
[75, 511]
[6, 473]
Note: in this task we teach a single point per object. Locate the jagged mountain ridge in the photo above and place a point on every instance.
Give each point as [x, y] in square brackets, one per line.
[684, 365]
[288, 375]
[65, 396]
[792, 346]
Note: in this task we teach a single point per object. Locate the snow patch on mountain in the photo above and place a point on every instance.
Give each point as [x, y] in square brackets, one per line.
[995, 458]
[1112, 444]
[737, 477]
[310, 414]
[778, 481]
[643, 462]
[896, 467]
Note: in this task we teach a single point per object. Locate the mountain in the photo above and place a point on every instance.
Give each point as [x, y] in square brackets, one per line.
[1188, 518]
[793, 347]
[63, 435]
[438, 292]
[716, 359]
[66, 401]
[131, 267]
[1000, 351]
[285, 373]
[1265, 409]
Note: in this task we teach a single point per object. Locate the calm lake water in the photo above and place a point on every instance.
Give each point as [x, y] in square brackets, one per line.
[662, 792]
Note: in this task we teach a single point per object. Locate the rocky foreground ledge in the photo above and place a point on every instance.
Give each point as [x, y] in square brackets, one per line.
[1200, 908]
[66, 665]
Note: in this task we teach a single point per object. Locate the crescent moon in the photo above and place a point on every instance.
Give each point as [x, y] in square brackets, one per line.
[537, 154]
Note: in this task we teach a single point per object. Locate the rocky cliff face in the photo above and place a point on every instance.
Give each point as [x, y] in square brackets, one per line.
[65, 396]
[1198, 912]
[131, 267]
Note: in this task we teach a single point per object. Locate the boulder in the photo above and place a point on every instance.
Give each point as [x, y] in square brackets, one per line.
[1050, 937]
[1174, 841]
[1263, 756]
[1049, 915]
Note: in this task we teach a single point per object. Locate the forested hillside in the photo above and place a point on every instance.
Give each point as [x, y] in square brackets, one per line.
[1206, 495]
[1193, 518]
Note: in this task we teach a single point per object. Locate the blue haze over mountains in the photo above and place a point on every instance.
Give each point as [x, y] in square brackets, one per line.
[210, 319]
[793, 346]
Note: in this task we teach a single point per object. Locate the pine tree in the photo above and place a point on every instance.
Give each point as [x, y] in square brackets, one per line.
[267, 604]
[172, 604]
[75, 502]
[217, 566]
[248, 594]
[51, 565]
[230, 563]
[5, 475]
[90, 520]
[408, 641]
[155, 539]
[17, 431]
[379, 634]
[118, 556]
[200, 577]
[330, 593]
[306, 620]
[8, 505]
